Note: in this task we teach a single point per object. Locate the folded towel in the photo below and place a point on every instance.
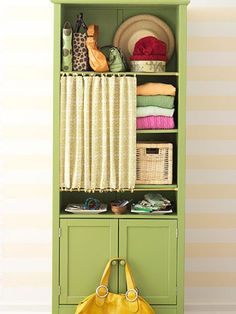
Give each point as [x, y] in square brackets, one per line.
[158, 100]
[154, 111]
[156, 89]
[155, 122]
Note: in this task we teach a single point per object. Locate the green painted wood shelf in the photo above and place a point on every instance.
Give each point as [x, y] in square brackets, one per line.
[110, 215]
[122, 73]
[157, 131]
[140, 187]
[157, 187]
[124, 2]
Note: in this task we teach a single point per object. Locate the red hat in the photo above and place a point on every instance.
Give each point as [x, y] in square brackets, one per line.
[149, 48]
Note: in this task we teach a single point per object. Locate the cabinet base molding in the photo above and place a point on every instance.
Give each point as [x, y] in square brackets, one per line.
[162, 309]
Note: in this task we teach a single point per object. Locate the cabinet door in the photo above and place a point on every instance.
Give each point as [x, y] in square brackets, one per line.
[86, 245]
[150, 248]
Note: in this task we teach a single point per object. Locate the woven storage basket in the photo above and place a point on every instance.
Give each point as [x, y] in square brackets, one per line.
[154, 163]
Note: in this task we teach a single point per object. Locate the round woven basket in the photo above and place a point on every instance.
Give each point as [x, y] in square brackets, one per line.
[147, 66]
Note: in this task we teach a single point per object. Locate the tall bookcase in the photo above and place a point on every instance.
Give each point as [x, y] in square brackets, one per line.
[154, 245]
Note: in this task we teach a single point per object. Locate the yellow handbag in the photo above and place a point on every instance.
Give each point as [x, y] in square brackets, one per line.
[105, 302]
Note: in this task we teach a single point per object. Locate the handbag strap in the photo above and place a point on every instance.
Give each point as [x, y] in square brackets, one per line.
[80, 22]
[92, 31]
[106, 274]
[131, 293]
[108, 46]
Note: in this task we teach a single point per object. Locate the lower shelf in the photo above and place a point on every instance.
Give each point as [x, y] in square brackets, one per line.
[109, 197]
[70, 309]
[113, 216]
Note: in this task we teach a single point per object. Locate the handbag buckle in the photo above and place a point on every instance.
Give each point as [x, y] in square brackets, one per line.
[97, 291]
[127, 295]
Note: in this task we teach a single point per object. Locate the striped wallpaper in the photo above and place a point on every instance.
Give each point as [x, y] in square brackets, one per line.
[211, 158]
[26, 147]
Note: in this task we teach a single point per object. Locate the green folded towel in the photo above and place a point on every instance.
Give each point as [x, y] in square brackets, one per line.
[156, 199]
[158, 100]
[154, 111]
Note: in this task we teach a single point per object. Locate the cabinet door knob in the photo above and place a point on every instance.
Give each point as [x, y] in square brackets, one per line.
[122, 262]
[114, 263]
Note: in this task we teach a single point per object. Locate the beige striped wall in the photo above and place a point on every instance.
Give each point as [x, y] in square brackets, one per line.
[211, 158]
[25, 157]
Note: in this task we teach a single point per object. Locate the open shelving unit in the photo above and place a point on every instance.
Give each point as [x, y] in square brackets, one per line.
[153, 244]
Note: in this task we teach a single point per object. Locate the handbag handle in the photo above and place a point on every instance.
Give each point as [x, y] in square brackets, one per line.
[108, 46]
[129, 277]
[80, 22]
[131, 294]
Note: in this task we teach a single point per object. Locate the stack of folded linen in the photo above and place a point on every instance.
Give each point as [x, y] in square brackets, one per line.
[155, 106]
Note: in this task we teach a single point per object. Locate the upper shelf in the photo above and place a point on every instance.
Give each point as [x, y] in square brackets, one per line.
[139, 187]
[122, 73]
[138, 2]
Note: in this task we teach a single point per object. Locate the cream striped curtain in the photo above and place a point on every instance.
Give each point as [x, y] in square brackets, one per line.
[98, 132]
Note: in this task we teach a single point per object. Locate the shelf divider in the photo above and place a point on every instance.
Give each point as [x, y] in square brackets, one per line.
[153, 131]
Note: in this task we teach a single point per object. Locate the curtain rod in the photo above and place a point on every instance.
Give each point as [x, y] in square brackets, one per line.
[98, 74]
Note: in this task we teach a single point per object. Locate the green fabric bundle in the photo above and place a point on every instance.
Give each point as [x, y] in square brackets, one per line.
[152, 202]
[154, 111]
[158, 100]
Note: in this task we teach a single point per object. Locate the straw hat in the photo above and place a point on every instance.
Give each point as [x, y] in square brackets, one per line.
[140, 26]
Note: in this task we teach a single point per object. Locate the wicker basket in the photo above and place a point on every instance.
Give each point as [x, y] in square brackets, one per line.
[154, 163]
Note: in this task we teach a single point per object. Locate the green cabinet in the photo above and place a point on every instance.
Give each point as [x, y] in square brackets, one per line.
[85, 247]
[148, 245]
[151, 244]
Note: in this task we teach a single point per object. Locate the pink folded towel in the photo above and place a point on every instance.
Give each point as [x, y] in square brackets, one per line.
[155, 122]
